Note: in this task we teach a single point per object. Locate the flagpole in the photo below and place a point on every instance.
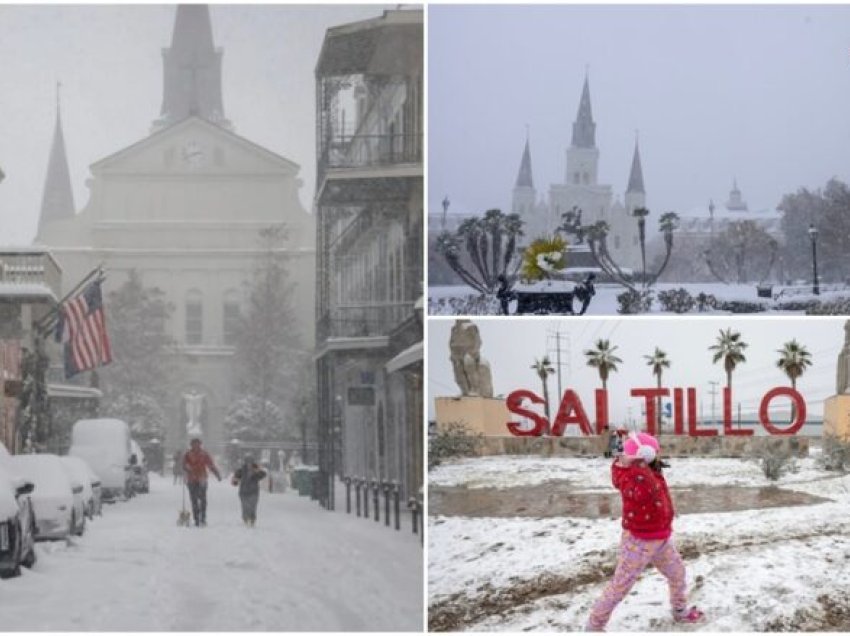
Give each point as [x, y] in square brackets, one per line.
[49, 318]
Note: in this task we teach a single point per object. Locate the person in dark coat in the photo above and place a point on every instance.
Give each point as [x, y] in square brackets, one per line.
[248, 477]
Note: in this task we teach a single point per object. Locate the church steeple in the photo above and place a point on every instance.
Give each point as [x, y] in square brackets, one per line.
[736, 202]
[636, 174]
[192, 70]
[524, 177]
[584, 129]
[57, 200]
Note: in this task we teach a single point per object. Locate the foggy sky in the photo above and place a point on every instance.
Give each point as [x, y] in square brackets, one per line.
[761, 93]
[108, 58]
[511, 346]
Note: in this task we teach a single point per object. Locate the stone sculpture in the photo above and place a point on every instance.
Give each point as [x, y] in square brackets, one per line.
[472, 372]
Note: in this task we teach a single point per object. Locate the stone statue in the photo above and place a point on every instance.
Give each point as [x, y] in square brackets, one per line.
[194, 402]
[842, 375]
[472, 372]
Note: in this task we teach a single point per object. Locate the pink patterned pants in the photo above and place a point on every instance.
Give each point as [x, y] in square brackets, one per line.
[635, 556]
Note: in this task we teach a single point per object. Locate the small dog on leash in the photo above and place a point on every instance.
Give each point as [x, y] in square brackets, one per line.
[184, 518]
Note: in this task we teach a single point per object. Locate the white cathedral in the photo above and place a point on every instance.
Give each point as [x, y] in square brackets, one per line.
[581, 189]
[184, 207]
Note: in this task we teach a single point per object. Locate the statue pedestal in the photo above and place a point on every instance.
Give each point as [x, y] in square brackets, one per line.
[488, 416]
[836, 417]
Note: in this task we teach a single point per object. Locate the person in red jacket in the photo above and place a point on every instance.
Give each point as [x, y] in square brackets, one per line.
[195, 463]
[647, 528]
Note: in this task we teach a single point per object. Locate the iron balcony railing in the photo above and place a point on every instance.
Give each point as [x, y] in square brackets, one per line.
[362, 321]
[359, 151]
[30, 267]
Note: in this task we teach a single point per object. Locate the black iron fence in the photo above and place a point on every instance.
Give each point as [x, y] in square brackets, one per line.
[362, 320]
[366, 495]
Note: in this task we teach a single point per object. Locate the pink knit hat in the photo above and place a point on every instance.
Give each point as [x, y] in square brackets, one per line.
[641, 446]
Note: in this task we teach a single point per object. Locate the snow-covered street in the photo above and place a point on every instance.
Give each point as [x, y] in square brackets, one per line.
[301, 568]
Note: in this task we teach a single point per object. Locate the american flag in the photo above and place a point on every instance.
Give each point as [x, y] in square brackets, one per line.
[87, 345]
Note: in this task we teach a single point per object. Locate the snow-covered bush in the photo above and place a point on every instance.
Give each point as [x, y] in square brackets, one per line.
[634, 302]
[678, 301]
[775, 461]
[835, 455]
[454, 440]
[142, 412]
[742, 306]
[469, 305]
[251, 419]
[840, 307]
[706, 301]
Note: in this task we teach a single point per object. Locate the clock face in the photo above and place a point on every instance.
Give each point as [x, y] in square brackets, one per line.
[193, 154]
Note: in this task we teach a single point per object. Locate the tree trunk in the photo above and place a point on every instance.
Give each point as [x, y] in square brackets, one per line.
[658, 406]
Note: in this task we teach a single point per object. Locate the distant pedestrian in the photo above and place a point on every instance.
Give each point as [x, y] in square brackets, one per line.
[609, 441]
[248, 477]
[196, 461]
[177, 467]
[504, 294]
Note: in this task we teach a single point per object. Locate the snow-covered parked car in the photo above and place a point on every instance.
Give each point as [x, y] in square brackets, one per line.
[57, 498]
[139, 469]
[80, 472]
[17, 524]
[105, 445]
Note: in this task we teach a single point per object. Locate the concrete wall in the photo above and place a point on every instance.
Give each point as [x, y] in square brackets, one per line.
[487, 416]
[836, 417]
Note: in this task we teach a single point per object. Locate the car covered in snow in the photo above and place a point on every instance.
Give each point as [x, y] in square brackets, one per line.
[139, 469]
[80, 471]
[17, 522]
[57, 498]
[105, 445]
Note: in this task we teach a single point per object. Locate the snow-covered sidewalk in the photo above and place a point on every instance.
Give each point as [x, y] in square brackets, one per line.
[302, 568]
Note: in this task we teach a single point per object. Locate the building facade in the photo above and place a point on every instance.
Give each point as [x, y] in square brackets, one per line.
[369, 216]
[184, 208]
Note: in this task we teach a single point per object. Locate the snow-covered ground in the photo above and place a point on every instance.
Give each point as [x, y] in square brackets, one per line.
[750, 570]
[459, 299]
[302, 568]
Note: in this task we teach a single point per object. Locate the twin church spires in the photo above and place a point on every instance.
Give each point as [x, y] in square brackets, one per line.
[191, 86]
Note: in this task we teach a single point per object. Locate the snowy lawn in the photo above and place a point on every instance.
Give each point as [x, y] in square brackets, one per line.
[301, 569]
[452, 300]
[750, 570]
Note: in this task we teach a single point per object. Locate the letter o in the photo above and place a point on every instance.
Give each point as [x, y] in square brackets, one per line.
[798, 401]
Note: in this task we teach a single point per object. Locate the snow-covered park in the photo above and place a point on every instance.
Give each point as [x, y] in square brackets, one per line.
[765, 567]
[302, 568]
[450, 300]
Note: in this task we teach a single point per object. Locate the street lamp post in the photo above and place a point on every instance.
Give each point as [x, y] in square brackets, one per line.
[813, 234]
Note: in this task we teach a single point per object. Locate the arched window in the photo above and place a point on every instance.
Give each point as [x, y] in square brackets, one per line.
[230, 317]
[194, 317]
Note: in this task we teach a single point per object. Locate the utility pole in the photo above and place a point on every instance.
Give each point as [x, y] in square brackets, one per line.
[713, 393]
[559, 361]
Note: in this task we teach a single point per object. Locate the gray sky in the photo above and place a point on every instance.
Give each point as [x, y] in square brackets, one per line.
[511, 346]
[109, 62]
[756, 92]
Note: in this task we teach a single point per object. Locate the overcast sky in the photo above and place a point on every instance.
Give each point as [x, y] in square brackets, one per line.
[511, 346]
[761, 93]
[108, 58]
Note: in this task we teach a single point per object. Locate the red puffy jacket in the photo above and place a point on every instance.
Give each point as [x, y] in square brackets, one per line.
[647, 507]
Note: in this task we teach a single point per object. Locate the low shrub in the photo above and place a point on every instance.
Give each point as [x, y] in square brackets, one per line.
[678, 301]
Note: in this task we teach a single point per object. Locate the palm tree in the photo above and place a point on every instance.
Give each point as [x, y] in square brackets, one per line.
[794, 358]
[543, 368]
[658, 361]
[603, 359]
[640, 214]
[730, 349]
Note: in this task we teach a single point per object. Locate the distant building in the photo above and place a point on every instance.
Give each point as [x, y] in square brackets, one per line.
[581, 189]
[184, 207]
[369, 215]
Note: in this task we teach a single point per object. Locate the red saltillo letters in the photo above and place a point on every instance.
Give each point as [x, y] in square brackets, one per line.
[571, 412]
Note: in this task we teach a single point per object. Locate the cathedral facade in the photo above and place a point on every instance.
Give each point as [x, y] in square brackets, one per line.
[581, 189]
[184, 207]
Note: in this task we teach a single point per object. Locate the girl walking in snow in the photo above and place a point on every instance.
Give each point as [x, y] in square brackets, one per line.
[647, 529]
[248, 477]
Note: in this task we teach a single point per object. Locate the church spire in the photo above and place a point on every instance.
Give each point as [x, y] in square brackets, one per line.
[57, 200]
[524, 177]
[192, 70]
[584, 129]
[636, 175]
